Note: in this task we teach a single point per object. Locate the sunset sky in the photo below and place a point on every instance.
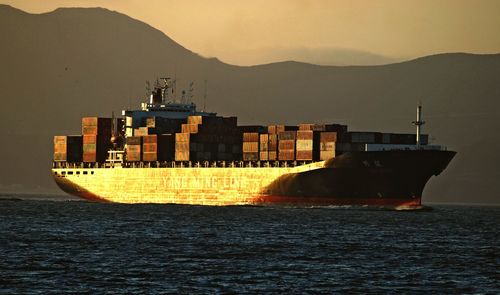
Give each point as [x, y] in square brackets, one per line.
[247, 32]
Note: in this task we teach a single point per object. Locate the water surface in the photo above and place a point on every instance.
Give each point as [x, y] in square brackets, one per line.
[82, 247]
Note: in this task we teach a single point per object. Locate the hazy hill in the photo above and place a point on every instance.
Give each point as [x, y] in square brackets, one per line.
[59, 66]
[320, 56]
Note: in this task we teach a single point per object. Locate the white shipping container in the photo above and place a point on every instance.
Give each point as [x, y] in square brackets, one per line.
[304, 145]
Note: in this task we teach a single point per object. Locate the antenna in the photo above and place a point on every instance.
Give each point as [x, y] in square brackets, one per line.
[190, 92]
[113, 132]
[183, 96]
[148, 88]
[419, 123]
[205, 97]
[174, 88]
[166, 85]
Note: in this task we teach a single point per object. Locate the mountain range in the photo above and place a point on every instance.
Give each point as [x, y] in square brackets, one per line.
[57, 67]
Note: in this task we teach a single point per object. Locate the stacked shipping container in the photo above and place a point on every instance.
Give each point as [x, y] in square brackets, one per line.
[159, 125]
[250, 146]
[68, 148]
[133, 148]
[286, 145]
[96, 139]
[327, 143]
[306, 145]
[208, 138]
[158, 147]
[264, 147]
[273, 147]
[213, 138]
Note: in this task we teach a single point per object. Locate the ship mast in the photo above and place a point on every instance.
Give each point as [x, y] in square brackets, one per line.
[419, 123]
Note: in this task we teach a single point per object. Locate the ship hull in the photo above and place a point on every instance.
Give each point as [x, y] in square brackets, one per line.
[385, 178]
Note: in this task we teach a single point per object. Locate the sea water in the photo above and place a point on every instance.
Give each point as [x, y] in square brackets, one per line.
[62, 246]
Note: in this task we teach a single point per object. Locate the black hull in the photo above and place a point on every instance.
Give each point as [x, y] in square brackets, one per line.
[371, 178]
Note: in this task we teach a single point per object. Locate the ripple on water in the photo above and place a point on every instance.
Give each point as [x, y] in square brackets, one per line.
[75, 247]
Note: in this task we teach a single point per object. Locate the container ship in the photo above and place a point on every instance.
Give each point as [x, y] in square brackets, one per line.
[168, 152]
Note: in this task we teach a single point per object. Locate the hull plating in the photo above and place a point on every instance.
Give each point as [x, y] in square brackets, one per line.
[368, 178]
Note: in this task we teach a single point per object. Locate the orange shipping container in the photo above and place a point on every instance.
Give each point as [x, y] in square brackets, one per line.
[304, 155]
[286, 155]
[251, 137]
[287, 145]
[96, 125]
[150, 138]
[328, 136]
[182, 137]
[149, 156]
[182, 155]
[250, 147]
[189, 128]
[287, 135]
[305, 134]
[273, 156]
[325, 155]
[149, 147]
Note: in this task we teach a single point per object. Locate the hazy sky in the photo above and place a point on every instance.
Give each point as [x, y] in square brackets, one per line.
[245, 32]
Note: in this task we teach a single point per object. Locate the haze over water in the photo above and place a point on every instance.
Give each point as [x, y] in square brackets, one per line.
[76, 247]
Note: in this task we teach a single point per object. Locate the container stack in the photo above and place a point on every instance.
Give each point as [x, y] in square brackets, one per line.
[356, 141]
[159, 125]
[264, 147]
[150, 148]
[273, 147]
[324, 138]
[141, 131]
[362, 137]
[399, 138]
[183, 146]
[305, 145]
[327, 145]
[286, 145]
[208, 138]
[339, 128]
[250, 146]
[214, 138]
[68, 148]
[96, 126]
[96, 138]
[133, 149]
[228, 151]
[276, 129]
[157, 147]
